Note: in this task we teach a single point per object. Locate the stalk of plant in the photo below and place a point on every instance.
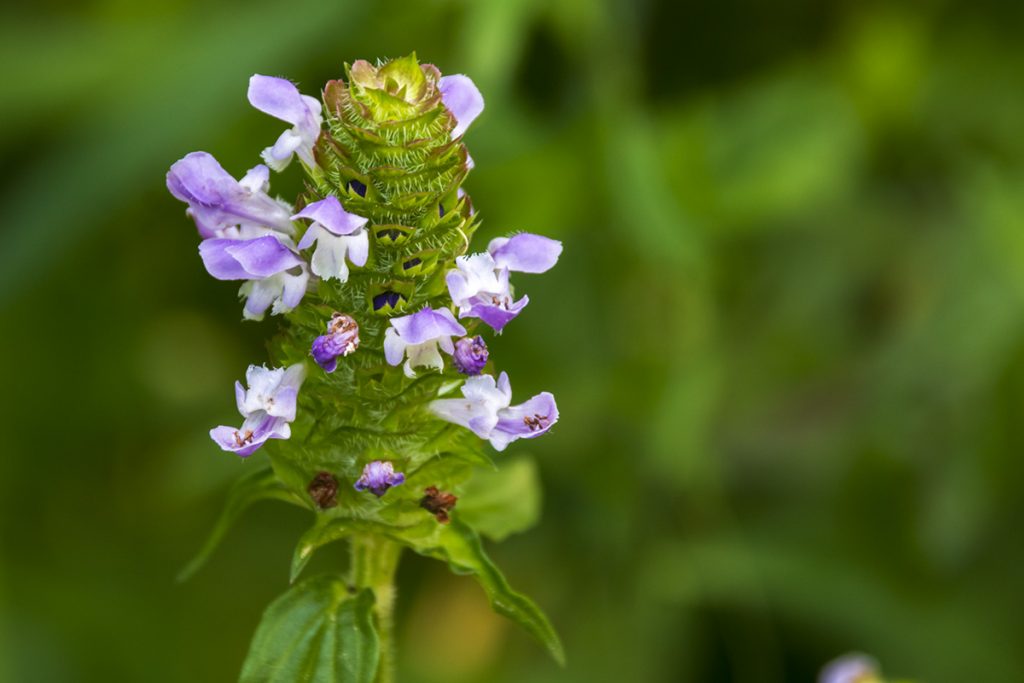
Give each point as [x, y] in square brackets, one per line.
[380, 397]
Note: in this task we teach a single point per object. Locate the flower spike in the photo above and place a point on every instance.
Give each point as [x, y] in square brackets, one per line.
[376, 249]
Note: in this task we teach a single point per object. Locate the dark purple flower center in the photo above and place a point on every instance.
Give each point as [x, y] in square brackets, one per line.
[357, 187]
[387, 298]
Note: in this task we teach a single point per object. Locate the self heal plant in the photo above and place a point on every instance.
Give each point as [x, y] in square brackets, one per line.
[378, 401]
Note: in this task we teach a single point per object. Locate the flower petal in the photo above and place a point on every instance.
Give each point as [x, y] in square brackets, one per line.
[262, 257]
[496, 315]
[426, 325]
[219, 262]
[217, 202]
[260, 295]
[525, 252]
[330, 214]
[278, 97]
[328, 260]
[526, 421]
[358, 248]
[257, 179]
[292, 291]
[463, 99]
[472, 415]
[394, 346]
[253, 433]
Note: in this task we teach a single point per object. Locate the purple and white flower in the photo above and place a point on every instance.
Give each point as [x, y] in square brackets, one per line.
[268, 407]
[463, 99]
[224, 207]
[417, 337]
[470, 355]
[282, 100]
[276, 277]
[338, 234]
[378, 476]
[342, 338]
[486, 410]
[479, 285]
[851, 668]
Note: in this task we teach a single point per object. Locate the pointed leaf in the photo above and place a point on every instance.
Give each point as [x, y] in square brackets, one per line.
[460, 546]
[255, 486]
[317, 632]
[501, 502]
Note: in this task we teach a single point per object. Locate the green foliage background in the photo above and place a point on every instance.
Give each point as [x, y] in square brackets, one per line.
[786, 335]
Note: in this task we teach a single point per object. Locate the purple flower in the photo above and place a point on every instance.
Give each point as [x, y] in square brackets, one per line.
[417, 337]
[253, 433]
[378, 477]
[463, 100]
[470, 355]
[337, 234]
[342, 338]
[487, 412]
[271, 390]
[282, 100]
[852, 668]
[268, 407]
[224, 207]
[275, 275]
[479, 284]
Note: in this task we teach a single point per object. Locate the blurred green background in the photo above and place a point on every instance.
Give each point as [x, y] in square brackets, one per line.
[786, 334]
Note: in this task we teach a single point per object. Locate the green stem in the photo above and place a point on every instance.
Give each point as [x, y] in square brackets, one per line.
[372, 564]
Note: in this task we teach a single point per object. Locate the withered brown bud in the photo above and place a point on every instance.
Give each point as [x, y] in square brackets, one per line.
[324, 490]
[438, 503]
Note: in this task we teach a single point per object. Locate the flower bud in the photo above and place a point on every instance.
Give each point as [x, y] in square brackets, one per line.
[470, 355]
[342, 338]
[438, 503]
[378, 477]
[324, 490]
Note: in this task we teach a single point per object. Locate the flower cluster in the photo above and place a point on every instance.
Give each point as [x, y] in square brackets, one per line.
[384, 312]
[253, 238]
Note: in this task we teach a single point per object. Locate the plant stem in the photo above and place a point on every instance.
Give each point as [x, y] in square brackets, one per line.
[372, 564]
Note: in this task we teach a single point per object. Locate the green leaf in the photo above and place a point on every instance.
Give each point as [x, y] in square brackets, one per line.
[317, 632]
[498, 503]
[454, 543]
[460, 546]
[255, 486]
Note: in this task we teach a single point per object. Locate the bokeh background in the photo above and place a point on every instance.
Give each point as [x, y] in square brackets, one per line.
[786, 334]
